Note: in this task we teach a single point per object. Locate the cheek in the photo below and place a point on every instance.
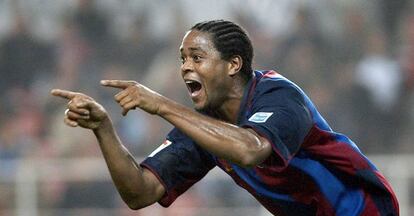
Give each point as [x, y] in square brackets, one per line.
[206, 68]
[218, 86]
[220, 74]
[214, 75]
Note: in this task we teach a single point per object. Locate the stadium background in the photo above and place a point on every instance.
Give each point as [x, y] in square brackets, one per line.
[354, 58]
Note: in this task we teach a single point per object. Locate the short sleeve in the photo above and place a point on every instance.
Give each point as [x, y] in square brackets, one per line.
[178, 163]
[278, 113]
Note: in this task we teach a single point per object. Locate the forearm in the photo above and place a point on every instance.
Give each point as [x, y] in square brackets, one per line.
[222, 139]
[137, 186]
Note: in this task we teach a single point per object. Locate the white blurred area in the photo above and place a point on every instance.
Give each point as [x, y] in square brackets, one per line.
[354, 58]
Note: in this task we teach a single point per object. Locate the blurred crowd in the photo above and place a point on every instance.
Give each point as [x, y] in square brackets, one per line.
[355, 59]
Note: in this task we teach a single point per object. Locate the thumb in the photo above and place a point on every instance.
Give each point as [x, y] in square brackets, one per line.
[125, 112]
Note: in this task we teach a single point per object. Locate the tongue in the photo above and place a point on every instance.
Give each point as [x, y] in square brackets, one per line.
[194, 87]
[195, 92]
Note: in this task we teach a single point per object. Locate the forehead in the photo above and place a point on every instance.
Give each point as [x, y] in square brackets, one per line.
[196, 40]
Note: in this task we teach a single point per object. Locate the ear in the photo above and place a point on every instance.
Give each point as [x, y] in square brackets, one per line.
[235, 65]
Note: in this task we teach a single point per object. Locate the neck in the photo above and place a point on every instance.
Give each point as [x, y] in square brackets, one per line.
[229, 110]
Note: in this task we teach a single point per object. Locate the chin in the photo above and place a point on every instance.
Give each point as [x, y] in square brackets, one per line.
[206, 109]
[199, 108]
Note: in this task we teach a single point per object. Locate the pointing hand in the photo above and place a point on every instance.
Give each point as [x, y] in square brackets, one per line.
[82, 110]
[134, 95]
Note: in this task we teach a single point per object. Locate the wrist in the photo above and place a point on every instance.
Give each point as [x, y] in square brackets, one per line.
[104, 126]
[163, 106]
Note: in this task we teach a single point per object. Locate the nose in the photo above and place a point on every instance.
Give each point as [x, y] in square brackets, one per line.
[186, 67]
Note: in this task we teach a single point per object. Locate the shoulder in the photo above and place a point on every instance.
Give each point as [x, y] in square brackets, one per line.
[271, 82]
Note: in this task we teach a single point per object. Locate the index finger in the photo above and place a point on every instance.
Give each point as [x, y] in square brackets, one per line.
[121, 84]
[63, 93]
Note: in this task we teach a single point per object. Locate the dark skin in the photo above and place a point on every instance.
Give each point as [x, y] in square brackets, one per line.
[221, 89]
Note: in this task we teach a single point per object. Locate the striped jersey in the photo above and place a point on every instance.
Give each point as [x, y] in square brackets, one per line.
[312, 169]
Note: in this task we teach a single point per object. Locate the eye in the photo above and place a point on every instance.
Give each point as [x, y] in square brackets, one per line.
[197, 58]
[182, 59]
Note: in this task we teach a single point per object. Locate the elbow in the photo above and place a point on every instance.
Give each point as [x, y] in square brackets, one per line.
[254, 155]
[248, 161]
[134, 201]
[250, 158]
[134, 204]
[135, 207]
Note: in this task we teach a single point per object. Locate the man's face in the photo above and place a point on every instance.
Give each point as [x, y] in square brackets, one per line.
[203, 70]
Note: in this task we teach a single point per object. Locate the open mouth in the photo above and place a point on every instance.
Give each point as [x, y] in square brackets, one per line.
[193, 86]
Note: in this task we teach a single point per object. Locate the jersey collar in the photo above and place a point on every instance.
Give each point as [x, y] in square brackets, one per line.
[248, 95]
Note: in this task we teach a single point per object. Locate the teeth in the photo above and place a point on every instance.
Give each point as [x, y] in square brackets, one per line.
[193, 86]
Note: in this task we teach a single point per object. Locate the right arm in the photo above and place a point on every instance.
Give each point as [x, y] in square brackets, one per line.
[137, 186]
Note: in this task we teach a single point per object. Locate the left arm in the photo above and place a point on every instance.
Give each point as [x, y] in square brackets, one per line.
[238, 145]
